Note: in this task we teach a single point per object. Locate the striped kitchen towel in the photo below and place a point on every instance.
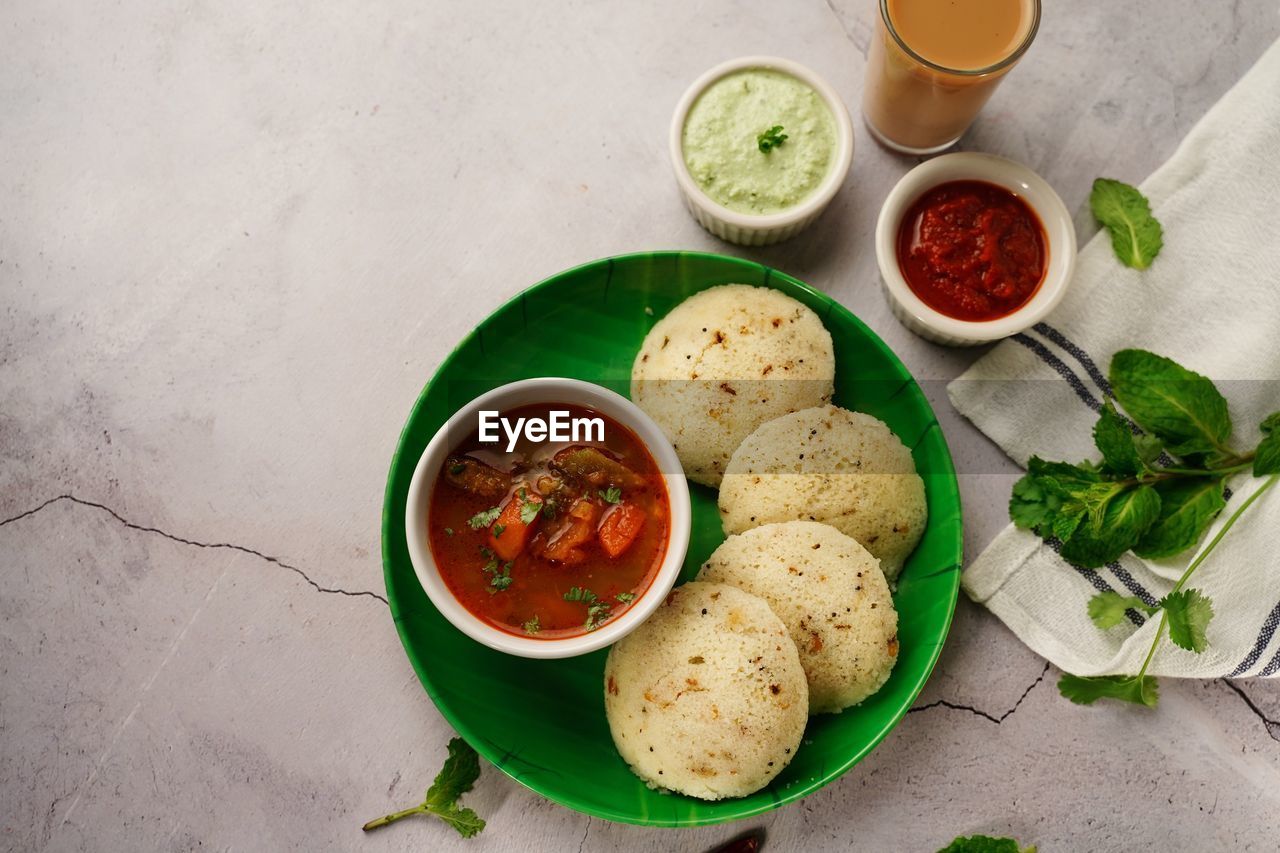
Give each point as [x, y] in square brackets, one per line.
[1211, 302]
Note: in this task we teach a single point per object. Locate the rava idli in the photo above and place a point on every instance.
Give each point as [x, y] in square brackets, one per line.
[828, 464]
[707, 697]
[830, 593]
[725, 361]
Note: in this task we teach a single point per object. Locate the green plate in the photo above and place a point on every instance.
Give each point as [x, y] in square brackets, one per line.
[542, 722]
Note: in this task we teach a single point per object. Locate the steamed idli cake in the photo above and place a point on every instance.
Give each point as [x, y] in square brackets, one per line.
[828, 464]
[830, 593]
[707, 697]
[725, 361]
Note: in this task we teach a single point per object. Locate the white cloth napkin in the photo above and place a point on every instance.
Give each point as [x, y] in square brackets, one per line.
[1211, 302]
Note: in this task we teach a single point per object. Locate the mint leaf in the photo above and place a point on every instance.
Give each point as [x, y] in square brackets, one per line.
[1136, 235]
[1271, 423]
[1115, 441]
[1266, 460]
[1141, 690]
[1190, 612]
[1113, 529]
[985, 844]
[1107, 609]
[460, 771]
[1187, 508]
[1178, 405]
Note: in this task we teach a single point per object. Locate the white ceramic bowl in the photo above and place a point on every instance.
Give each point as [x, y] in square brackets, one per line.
[1059, 231]
[747, 229]
[505, 398]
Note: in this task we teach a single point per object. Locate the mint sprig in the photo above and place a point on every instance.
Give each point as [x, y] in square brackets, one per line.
[1156, 491]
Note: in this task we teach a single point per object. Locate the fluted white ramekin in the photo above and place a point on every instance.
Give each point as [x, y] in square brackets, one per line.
[1059, 231]
[748, 229]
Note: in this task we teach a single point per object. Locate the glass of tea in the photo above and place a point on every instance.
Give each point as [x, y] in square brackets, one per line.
[933, 64]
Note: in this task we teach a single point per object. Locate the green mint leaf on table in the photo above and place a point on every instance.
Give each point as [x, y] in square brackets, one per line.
[1178, 405]
[1107, 609]
[484, 518]
[985, 844]
[1141, 689]
[771, 138]
[1189, 612]
[1116, 442]
[1136, 236]
[1187, 508]
[1113, 527]
[611, 495]
[459, 774]
[532, 626]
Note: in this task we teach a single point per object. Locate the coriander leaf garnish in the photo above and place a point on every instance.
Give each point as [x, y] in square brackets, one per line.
[529, 509]
[985, 844]
[1139, 689]
[448, 531]
[1107, 609]
[499, 575]
[1189, 612]
[625, 597]
[611, 495]
[459, 774]
[1141, 500]
[1136, 236]
[498, 530]
[484, 518]
[532, 626]
[771, 138]
[597, 611]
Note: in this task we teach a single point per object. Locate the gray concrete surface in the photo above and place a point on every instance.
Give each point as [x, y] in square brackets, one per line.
[236, 239]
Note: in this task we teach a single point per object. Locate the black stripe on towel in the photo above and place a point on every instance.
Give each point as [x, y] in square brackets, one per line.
[1065, 372]
[1078, 354]
[1098, 581]
[1268, 631]
[1131, 584]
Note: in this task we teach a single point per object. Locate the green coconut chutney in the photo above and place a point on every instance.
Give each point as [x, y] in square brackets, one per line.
[722, 149]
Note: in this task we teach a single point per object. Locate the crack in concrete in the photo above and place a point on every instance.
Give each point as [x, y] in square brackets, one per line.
[861, 48]
[582, 844]
[229, 546]
[1272, 726]
[986, 715]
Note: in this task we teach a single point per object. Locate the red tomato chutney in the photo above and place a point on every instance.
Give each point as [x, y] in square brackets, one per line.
[972, 250]
[551, 539]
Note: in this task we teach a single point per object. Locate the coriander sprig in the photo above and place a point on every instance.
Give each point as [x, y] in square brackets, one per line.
[771, 139]
[1139, 499]
[459, 774]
